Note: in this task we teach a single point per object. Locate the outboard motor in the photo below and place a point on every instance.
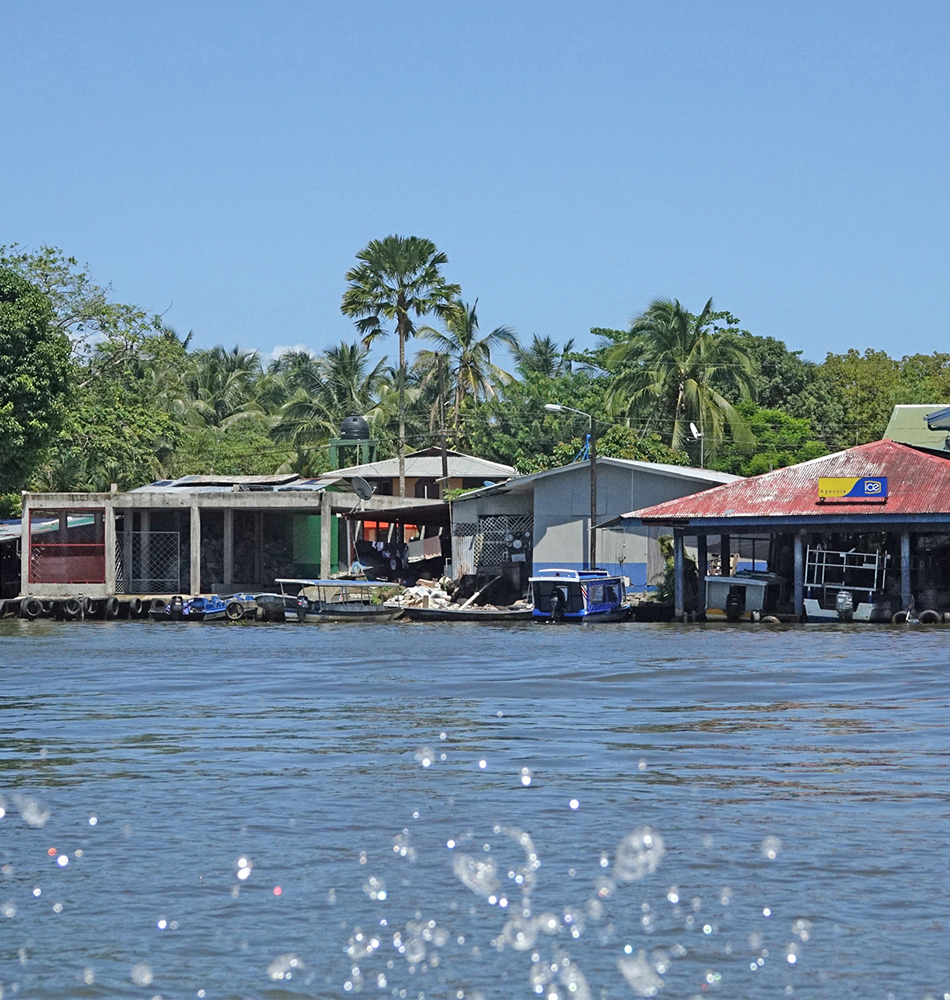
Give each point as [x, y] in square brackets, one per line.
[844, 605]
[557, 604]
[735, 604]
[176, 608]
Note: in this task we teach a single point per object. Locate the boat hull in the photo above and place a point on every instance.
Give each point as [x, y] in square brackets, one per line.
[468, 615]
[340, 613]
[623, 614]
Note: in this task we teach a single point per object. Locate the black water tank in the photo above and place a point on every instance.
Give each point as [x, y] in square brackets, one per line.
[354, 428]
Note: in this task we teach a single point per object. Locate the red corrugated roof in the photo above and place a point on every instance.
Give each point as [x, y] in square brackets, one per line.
[918, 483]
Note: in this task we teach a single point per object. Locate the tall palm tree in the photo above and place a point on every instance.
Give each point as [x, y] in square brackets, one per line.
[397, 278]
[470, 374]
[543, 357]
[668, 371]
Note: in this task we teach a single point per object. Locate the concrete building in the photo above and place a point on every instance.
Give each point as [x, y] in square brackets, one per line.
[198, 534]
[543, 521]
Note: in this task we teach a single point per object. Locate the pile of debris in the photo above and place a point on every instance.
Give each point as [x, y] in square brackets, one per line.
[425, 594]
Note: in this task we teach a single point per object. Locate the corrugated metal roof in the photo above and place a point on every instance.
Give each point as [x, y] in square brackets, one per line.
[428, 465]
[918, 483]
[517, 484]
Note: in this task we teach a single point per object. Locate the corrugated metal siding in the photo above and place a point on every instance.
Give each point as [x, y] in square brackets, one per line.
[918, 483]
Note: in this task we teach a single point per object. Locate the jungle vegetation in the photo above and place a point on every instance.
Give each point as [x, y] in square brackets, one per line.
[95, 392]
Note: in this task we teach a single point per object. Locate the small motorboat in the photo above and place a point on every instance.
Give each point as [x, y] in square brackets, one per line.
[196, 609]
[460, 614]
[570, 595]
[337, 601]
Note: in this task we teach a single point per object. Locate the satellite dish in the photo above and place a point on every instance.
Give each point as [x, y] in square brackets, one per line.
[362, 488]
[694, 431]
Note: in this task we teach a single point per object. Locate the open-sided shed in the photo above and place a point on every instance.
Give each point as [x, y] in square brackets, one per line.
[885, 496]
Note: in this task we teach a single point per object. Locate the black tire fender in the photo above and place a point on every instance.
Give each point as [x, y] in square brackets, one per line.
[72, 607]
[110, 607]
[234, 611]
[929, 617]
[31, 607]
[900, 618]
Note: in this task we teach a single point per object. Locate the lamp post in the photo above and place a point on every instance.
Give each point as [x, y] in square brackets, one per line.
[592, 544]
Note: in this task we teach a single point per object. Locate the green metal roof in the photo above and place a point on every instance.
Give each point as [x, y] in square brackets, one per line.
[908, 425]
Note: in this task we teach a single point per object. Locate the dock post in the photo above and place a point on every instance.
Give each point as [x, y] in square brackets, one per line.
[228, 569]
[799, 574]
[195, 546]
[906, 595]
[108, 531]
[326, 536]
[25, 539]
[725, 555]
[679, 611]
[702, 568]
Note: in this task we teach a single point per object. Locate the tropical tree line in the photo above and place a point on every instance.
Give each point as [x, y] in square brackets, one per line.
[94, 392]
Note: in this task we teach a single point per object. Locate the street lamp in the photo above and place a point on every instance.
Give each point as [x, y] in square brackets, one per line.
[592, 545]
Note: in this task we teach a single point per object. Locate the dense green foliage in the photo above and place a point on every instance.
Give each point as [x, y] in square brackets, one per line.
[94, 392]
[34, 369]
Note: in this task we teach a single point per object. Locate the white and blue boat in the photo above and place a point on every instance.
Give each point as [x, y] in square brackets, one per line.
[570, 595]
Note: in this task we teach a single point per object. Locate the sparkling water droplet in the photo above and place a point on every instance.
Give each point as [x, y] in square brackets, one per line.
[142, 974]
[638, 854]
[640, 975]
[284, 966]
[771, 847]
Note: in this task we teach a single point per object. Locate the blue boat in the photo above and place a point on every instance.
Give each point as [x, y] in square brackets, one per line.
[196, 609]
[570, 595]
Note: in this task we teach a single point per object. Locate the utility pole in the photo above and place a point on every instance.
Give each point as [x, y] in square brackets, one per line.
[444, 481]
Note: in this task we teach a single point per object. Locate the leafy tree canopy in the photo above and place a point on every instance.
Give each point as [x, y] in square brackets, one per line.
[34, 380]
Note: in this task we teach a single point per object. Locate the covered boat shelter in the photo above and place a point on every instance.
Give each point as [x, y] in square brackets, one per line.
[892, 495]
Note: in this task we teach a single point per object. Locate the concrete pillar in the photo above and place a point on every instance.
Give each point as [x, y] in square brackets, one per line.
[127, 550]
[679, 610]
[259, 547]
[799, 574]
[25, 548]
[145, 531]
[725, 555]
[110, 549]
[702, 560]
[906, 596]
[228, 570]
[326, 536]
[195, 546]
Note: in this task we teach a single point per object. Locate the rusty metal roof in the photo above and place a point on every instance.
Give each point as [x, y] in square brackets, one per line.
[918, 484]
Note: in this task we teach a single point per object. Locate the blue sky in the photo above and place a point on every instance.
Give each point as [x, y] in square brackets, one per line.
[226, 161]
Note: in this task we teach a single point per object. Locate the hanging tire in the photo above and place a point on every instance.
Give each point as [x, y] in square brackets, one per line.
[135, 607]
[234, 611]
[900, 618]
[110, 607]
[72, 608]
[30, 608]
[771, 620]
[929, 617]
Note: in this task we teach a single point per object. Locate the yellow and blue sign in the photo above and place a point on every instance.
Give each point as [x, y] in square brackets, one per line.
[852, 487]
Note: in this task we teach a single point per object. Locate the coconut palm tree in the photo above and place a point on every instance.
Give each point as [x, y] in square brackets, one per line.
[397, 278]
[323, 389]
[543, 357]
[221, 388]
[469, 374]
[668, 372]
